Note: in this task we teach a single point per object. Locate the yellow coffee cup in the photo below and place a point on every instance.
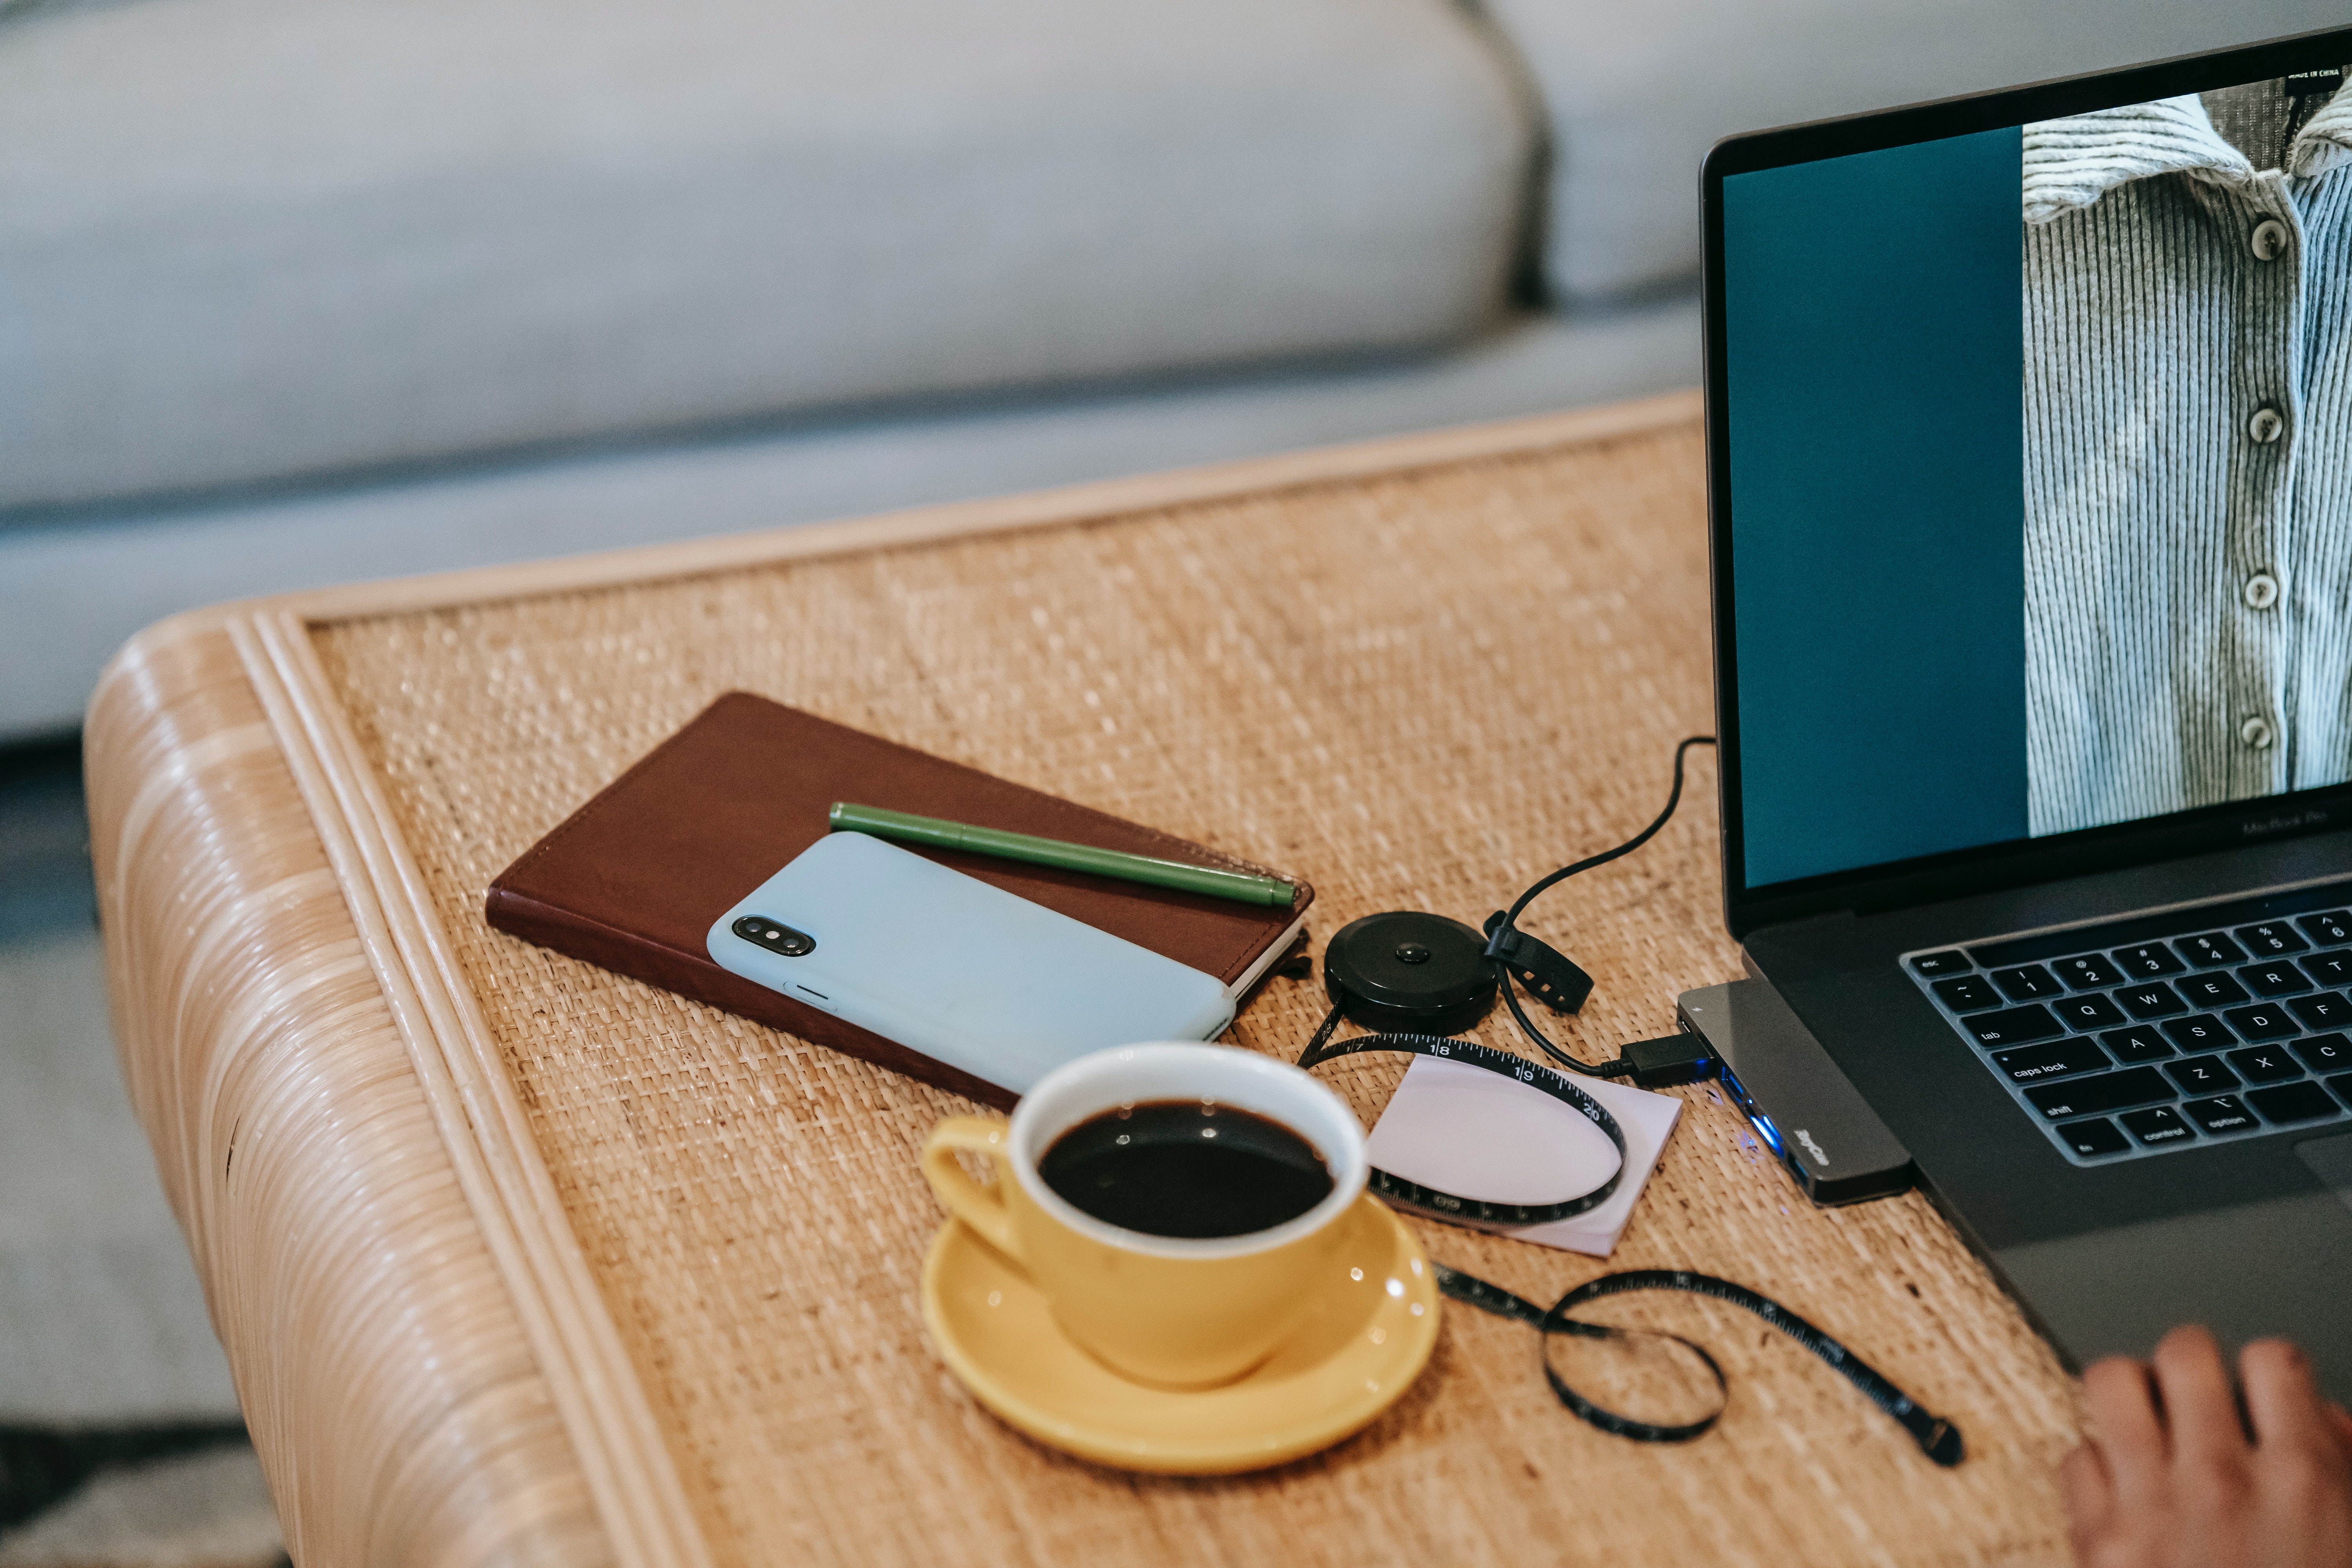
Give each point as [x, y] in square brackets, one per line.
[1177, 1312]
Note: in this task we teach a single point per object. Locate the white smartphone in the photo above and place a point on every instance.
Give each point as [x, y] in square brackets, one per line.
[943, 963]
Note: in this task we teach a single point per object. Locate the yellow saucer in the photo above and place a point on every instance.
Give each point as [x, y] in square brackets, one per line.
[1355, 1353]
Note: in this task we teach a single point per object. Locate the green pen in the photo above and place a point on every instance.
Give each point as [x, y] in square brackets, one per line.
[940, 834]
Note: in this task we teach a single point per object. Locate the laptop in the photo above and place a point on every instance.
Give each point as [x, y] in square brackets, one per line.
[2030, 446]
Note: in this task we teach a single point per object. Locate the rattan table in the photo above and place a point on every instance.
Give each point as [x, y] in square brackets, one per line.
[519, 1260]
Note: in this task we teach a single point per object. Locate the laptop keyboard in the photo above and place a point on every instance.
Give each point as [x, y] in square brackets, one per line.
[2143, 1043]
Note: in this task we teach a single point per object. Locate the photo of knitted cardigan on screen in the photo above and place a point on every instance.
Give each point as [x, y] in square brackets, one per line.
[2187, 276]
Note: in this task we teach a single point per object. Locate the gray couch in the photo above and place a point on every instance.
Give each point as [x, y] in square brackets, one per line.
[295, 290]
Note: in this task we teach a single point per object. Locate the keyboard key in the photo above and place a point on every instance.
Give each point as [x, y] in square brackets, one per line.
[2028, 983]
[2265, 1064]
[2092, 1012]
[2154, 999]
[1935, 965]
[1969, 994]
[2093, 1138]
[2333, 929]
[2325, 1053]
[2328, 1010]
[2274, 979]
[2342, 1084]
[2202, 1075]
[2210, 948]
[2140, 1043]
[2262, 1021]
[2202, 1033]
[2097, 1095]
[2271, 939]
[2222, 1113]
[2329, 968]
[2211, 990]
[2088, 973]
[2017, 1026]
[2291, 1102]
[2158, 1124]
[2148, 961]
[2032, 1064]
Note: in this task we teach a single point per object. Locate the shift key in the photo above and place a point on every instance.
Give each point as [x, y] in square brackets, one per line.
[2013, 1026]
[2096, 1096]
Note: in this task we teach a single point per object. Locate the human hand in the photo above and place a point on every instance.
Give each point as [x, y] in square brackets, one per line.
[2169, 1477]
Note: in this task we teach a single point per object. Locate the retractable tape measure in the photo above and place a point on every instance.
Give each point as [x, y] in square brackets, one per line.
[1415, 979]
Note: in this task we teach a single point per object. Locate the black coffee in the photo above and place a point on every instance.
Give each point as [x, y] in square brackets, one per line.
[1187, 1168]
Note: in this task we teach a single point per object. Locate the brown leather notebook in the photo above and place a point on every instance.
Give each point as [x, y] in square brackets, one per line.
[633, 880]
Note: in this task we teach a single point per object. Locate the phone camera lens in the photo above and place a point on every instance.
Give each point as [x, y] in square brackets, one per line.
[774, 937]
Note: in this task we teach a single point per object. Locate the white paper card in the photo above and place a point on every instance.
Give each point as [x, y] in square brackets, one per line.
[1477, 1134]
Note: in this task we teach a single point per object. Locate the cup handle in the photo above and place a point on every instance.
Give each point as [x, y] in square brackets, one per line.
[976, 1205]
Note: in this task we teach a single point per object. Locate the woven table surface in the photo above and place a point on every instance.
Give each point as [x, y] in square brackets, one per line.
[1419, 690]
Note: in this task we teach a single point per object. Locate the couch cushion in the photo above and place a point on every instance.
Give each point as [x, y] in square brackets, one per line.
[242, 239]
[1635, 94]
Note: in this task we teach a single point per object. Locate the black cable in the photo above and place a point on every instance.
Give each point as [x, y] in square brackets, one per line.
[1498, 938]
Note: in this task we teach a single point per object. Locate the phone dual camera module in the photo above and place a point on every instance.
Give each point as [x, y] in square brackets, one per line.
[775, 936]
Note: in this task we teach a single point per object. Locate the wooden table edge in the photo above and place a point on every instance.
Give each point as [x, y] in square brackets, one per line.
[483, 1125]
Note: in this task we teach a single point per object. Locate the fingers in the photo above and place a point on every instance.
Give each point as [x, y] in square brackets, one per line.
[2121, 1401]
[2090, 1496]
[2302, 1459]
[2171, 1476]
[2200, 1412]
[2281, 1399]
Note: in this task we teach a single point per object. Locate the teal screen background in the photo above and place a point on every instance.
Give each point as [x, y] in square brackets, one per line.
[1873, 343]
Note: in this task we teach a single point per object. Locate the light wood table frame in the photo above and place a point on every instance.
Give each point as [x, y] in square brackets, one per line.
[448, 1346]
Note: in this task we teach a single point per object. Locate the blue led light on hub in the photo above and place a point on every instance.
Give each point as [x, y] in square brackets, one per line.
[1756, 1117]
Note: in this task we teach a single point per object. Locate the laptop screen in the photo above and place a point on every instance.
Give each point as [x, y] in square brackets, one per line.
[2038, 471]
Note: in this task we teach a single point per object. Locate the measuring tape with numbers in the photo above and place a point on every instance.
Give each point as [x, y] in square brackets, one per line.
[1477, 1212]
[1937, 1438]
